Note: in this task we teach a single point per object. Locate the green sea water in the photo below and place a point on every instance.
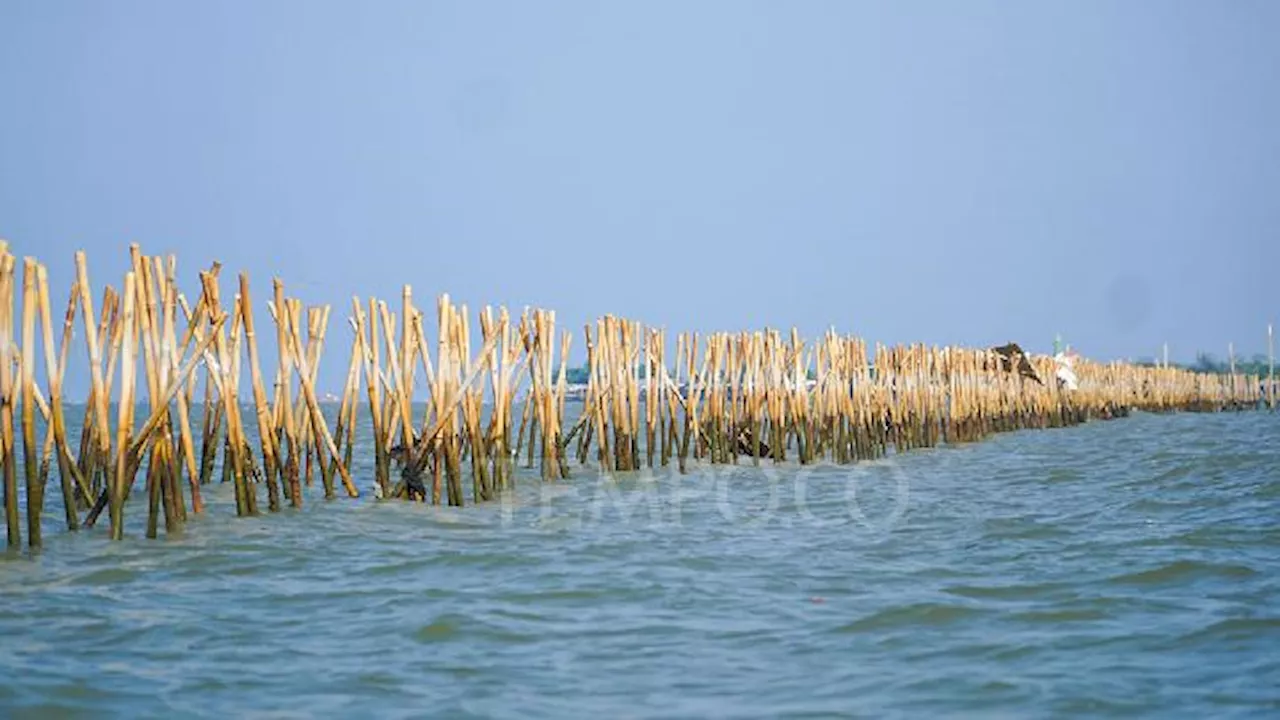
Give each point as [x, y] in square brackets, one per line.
[1124, 568]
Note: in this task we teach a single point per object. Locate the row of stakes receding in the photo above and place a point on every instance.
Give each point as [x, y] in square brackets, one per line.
[719, 398]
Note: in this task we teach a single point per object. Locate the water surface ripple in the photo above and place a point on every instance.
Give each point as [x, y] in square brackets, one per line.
[1121, 568]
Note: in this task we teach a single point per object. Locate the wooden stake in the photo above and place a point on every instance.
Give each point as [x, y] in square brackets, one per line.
[291, 465]
[54, 371]
[1271, 369]
[30, 451]
[317, 418]
[132, 451]
[8, 352]
[125, 427]
[266, 428]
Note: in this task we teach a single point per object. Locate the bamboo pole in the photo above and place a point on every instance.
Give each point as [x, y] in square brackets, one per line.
[30, 451]
[284, 342]
[7, 357]
[156, 468]
[125, 422]
[246, 463]
[373, 370]
[405, 364]
[131, 453]
[167, 306]
[317, 418]
[97, 387]
[308, 439]
[184, 405]
[395, 356]
[566, 340]
[266, 427]
[447, 362]
[234, 460]
[114, 331]
[444, 419]
[54, 369]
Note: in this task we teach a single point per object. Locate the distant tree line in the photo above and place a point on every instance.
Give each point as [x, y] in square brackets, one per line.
[1210, 363]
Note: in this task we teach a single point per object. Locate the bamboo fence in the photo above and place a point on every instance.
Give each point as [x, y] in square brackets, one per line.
[450, 422]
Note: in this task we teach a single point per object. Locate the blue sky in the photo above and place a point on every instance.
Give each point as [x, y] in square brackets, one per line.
[949, 172]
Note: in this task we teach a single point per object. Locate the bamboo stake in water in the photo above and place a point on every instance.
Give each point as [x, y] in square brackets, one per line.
[266, 428]
[309, 440]
[97, 392]
[54, 370]
[399, 399]
[418, 456]
[233, 458]
[159, 465]
[30, 451]
[317, 418]
[111, 329]
[562, 381]
[446, 418]
[132, 452]
[407, 348]
[166, 300]
[1271, 369]
[373, 371]
[446, 390]
[184, 405]
[167, 304]
[251, 474]
[290, 465]
[7, 350]
[211, 428]
[300, 410]
[125, 422]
